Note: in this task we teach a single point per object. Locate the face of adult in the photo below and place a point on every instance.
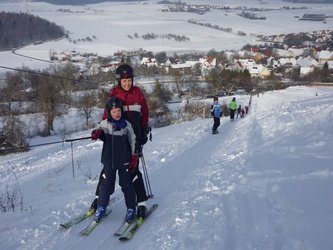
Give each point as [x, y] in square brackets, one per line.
[126, 84]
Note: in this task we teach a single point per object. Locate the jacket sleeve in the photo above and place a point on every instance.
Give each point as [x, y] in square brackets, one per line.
[144, 111]
[131, 137]
[100, 127]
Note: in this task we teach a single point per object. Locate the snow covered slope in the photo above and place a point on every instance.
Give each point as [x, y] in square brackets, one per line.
[264, 182]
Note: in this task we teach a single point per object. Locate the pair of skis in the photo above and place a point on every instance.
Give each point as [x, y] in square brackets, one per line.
[125, 232]
[93, 224]
[81, 217]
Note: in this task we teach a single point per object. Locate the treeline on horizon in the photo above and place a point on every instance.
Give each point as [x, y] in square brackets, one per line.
[18, 29]
[309, 1]
[80, 2]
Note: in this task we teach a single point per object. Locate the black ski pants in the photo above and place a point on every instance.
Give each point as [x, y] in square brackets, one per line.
[216, 124]
[137, 181]
[107, 186]
[232, 114]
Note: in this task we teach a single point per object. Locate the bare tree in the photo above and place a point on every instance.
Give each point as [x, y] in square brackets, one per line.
[215, 81]
[13, 134]
[48, 95]
[176, 74]
[158, 110]
[87, 104]
[12, 91]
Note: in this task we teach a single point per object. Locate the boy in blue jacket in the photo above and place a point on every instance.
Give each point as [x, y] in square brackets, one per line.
[216, 112]
[118, 154]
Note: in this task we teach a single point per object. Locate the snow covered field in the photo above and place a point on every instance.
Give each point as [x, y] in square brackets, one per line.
[112, 23]
[264, 182]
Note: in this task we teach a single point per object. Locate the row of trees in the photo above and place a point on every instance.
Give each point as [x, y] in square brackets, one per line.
[49, 94]
[81, 2]
[152, 36]
[18, 29]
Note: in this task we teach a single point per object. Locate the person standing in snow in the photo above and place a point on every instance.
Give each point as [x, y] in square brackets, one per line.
[246, 109]
[118, 154]
[242, 113]
[136, 112]
[232, 108]
[239, 110]
[216, 112]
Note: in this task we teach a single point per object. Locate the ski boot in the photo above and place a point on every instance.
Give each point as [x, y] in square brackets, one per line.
[100, 212]
[142, 211]
[130, 215]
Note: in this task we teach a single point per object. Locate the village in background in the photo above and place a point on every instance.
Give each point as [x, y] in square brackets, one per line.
[178, 86]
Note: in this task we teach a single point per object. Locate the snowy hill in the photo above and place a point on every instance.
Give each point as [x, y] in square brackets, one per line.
[264, 182]
[112, 27]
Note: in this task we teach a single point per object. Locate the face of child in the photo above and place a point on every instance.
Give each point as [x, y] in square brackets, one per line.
[115, 114]
[126, 84]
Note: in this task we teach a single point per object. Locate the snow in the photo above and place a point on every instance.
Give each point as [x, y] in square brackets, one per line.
[112, 22]
[264, 182]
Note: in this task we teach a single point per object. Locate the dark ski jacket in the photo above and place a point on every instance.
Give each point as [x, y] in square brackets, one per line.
[135, 110]
[118, 146]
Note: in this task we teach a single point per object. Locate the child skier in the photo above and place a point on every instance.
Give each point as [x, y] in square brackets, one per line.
[216, 112]
[118, 154]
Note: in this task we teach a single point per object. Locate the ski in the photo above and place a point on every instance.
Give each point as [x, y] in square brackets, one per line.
[81, 217]
[122, 229]
[76, 220]
[93, 224]
[134, 226]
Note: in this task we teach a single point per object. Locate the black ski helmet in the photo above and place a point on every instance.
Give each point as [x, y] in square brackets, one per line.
[113, 102]
[124, 71]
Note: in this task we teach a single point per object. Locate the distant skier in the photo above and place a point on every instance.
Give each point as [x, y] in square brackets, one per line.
[242, 113]
[216, 112]
[232, 108]
[239, 110]
[246, 109]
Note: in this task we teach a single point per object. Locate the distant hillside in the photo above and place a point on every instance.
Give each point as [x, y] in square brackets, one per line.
[80, 2]
[18, 29]
[310, 1]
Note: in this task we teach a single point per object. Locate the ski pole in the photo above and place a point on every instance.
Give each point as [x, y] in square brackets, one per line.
[78, 139]
[46, 143]
[146, 177]
[54, 142]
